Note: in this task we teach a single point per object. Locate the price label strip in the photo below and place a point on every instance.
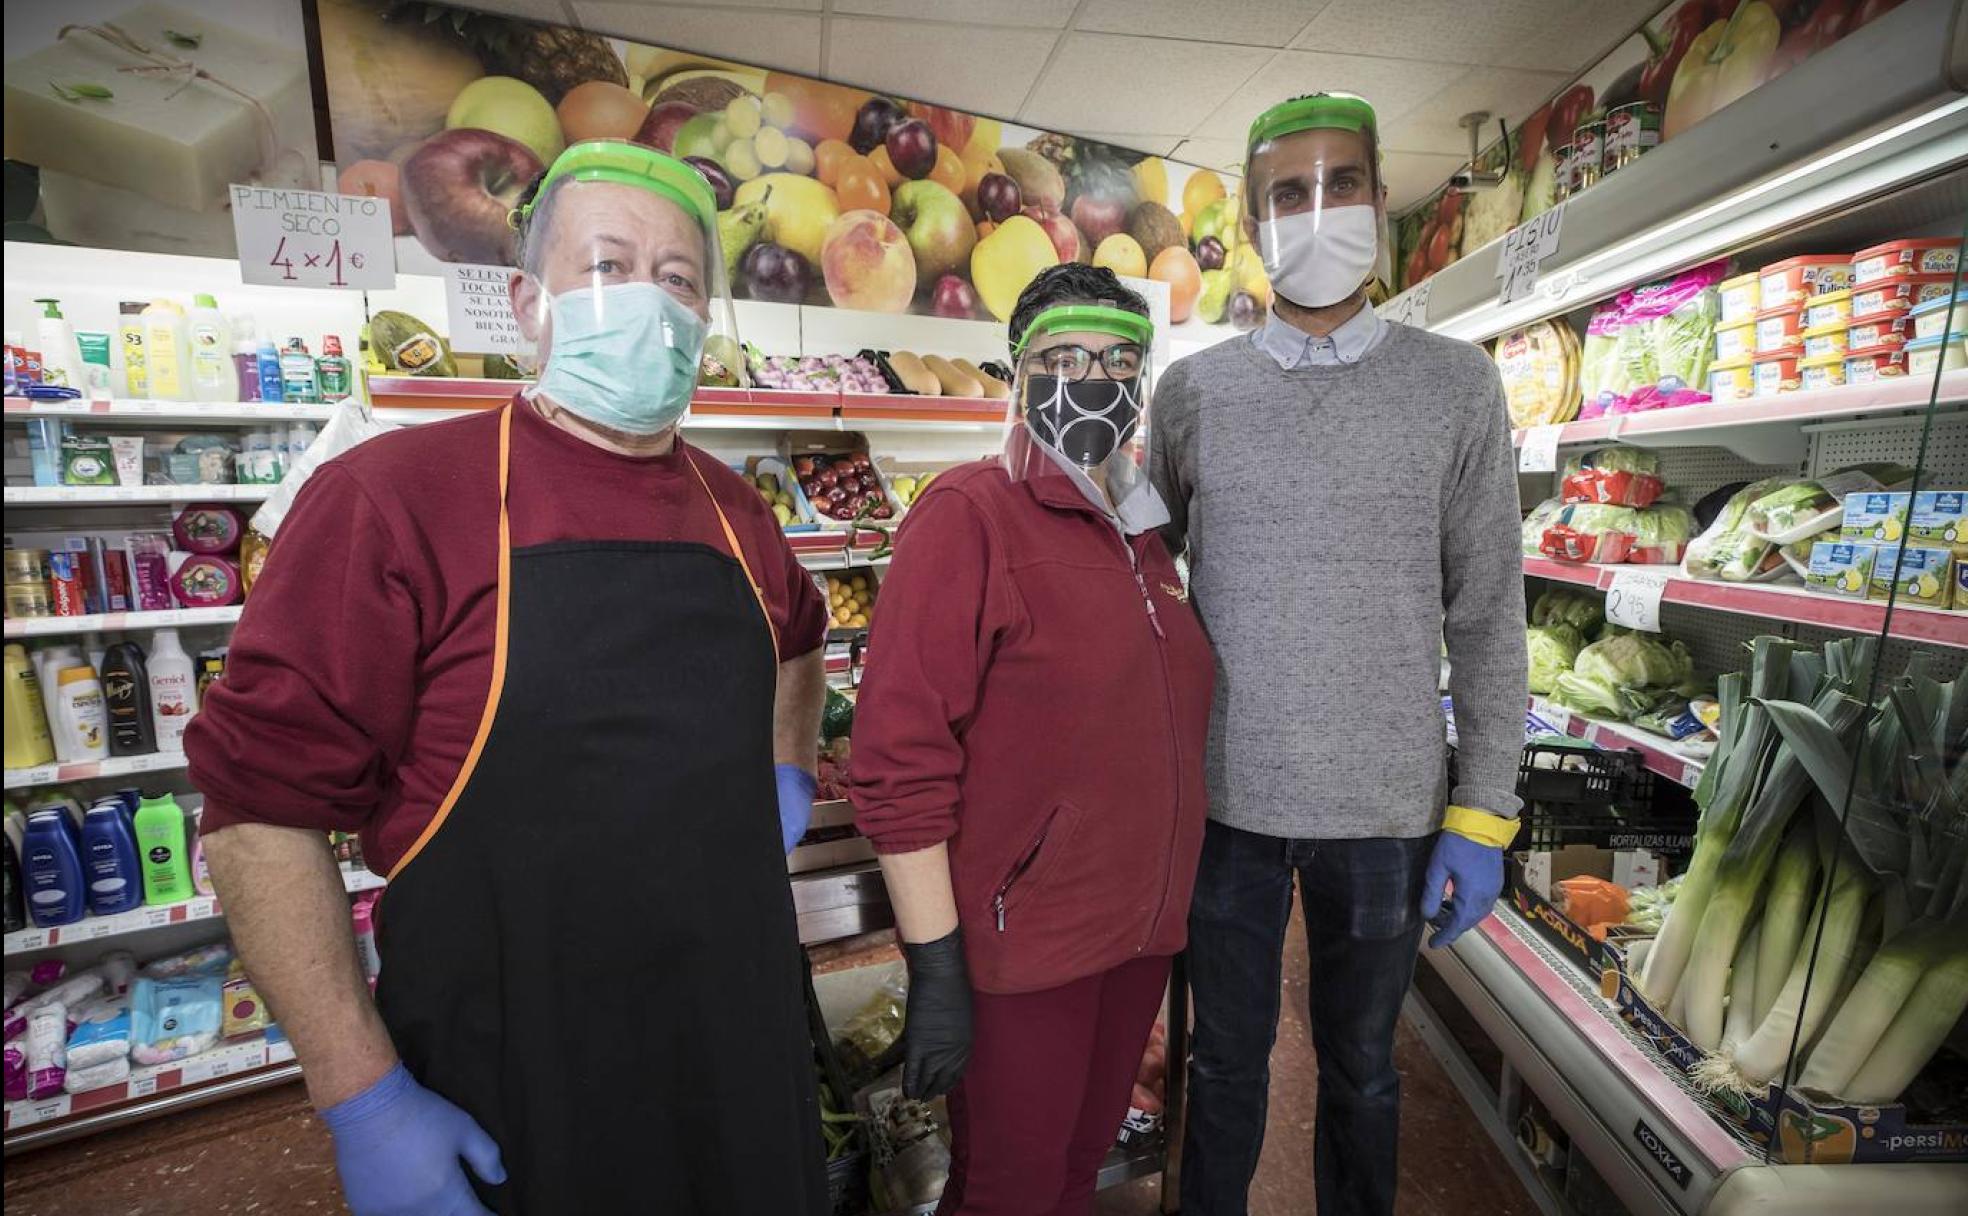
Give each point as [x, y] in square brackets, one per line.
[304, 238]
[1634, 598]
[1540, 451]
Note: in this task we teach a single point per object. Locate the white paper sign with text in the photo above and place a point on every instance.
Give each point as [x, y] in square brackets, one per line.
[1540, 451]
[477, 309]
[304, 238]
[1524, 247]
[1634, 598]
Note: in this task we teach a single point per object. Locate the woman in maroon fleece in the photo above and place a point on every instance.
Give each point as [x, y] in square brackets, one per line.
[1028, 761]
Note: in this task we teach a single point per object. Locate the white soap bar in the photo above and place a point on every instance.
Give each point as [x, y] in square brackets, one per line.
[165, 135]
[104, 217]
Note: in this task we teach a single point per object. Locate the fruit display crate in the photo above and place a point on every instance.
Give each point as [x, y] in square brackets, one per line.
[145, 411]
[94, 770]
[1794, 604]
[172, 618]
[113, 496]
[144, 919]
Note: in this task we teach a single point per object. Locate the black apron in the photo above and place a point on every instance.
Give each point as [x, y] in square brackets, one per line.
[597, 956]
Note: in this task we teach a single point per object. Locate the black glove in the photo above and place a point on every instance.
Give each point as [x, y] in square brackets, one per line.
[936, 1033]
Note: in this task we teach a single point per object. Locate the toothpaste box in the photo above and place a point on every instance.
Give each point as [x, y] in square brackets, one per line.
[1878, 516]
[1841, 568]
[1923, 574]
[1939, 518]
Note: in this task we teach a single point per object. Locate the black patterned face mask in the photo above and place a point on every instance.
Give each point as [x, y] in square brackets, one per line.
[1085, 421]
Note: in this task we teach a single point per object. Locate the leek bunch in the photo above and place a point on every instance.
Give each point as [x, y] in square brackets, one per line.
[1841, 935]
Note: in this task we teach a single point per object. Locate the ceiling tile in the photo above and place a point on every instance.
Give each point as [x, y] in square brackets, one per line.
[1160, 145]
[984, 70]
[1507, 93]
[1270, 23]
[1497, 33]
[1041, 14]
[788, 41]
[1224, 154]
[1152, 83]
[1412, 176]
[1394, 86]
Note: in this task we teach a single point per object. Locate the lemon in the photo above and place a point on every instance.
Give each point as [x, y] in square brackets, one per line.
[1849, 581]
[1927, 586]
[1203, 188]
[1892, 529]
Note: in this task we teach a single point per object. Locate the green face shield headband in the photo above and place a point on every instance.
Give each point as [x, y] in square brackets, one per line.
[630, 164]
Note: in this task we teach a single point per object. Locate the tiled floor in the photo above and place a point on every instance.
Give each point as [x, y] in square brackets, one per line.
[268, 1154]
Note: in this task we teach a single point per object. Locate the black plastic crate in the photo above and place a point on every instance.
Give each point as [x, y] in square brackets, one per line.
[1603, 798]
[1584, 776]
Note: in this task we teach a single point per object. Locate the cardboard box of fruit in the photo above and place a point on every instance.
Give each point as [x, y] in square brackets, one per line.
[907, 479]
[839, 479]
[851, 598]
[780, 490]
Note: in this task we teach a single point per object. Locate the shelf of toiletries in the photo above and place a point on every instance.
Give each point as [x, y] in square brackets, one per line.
[217, 413]
[114, 768]
[151, 916]
[111, 496]
[101, 622]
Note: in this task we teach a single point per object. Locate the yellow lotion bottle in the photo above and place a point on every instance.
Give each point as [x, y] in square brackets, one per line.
[28, 741]
[167, 351]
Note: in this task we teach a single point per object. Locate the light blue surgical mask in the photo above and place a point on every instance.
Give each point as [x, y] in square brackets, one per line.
[624, 356]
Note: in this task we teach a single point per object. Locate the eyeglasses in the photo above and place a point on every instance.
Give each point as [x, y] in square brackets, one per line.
[1120, 361]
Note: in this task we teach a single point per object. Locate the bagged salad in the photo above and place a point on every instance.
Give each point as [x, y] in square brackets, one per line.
[1807, 508]
[1606, 533]
[1665, 342]
[1628, 477]
[1599, 375]
[1729, 550]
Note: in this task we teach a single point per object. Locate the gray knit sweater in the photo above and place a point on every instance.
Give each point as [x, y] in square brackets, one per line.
[1342, 521]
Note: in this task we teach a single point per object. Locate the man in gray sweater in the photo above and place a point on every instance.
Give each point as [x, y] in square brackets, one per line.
[1347, 493]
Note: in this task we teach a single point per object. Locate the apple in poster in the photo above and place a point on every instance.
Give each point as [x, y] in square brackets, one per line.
[1065, 237]
[458, 188]
[953, 297]
[867, 263]
[510, 107]
[939, 229]
[659, 128]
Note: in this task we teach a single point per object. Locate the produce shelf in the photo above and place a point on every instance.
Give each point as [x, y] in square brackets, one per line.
[1775, 603]
[91, 770]
[51, 626]
[1659, 755]
[1765, 429]
[224, 1071]
[113, 496]
[146, 410]
[142, 920]
[1655, 1141]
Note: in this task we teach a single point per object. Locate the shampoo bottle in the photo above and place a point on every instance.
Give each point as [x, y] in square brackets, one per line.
[167, 356]
[61, 354]
[81, 726]
[28, 741]
[52, 869]
[109, 857]
[173, 689]
[126, 701]
[213, 376]
[48, 663]
[246, 358]
[272, 387]
[160, 827]
[130, 330]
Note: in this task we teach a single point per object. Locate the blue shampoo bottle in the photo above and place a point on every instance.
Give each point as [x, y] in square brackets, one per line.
[52, 869]
[109, 853]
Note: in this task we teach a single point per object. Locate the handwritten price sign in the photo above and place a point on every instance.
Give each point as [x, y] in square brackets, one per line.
[303, 238]
[1524, 248]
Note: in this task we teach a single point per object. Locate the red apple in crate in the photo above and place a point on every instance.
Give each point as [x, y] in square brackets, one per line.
[999, 197]
[459, 186]
[660, 126]
[1099, 218]
[952, 128]
[1065, 237]
[911, 148]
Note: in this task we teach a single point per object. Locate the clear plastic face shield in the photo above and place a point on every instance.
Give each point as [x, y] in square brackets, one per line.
[622, 289]
[1080, 389]
[1313, 203]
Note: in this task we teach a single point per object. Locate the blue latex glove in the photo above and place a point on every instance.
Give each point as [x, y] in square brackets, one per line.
[397, 1147]
[1477, 872]
[796, 790]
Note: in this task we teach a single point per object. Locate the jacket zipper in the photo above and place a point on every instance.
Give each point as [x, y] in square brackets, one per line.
[1175, 749]
[1018, 872]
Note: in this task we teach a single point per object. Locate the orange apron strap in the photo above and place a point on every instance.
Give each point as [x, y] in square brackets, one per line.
[499, 637]
[737, 551]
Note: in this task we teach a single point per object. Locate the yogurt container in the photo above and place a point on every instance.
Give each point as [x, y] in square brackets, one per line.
[1841, 568]
[1922, 574]
[1875, 363]
[1780, 330]
[1932, 255]
[1879, 329]
[1825, 340]
[1732, 379]
[1795, 280]
[1829, 307]
[1740, 298]
[1900, 294]
[1941, 315]
[1923, 355]
[1775, 374]
[1821, 371]
[1735, 341]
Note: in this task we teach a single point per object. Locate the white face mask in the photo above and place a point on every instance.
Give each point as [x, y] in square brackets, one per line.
[1320, 257]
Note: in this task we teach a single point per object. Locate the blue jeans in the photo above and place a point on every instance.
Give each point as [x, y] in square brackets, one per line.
[1362, 926]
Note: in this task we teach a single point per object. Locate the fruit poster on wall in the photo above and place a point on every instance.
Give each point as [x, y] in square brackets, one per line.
[827, 195]
[1687, 63]
[127, 121]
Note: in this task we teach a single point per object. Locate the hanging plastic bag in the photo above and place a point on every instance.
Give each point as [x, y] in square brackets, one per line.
[351, 424]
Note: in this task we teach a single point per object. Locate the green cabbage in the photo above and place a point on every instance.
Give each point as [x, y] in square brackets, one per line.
[1574, 608]
[1636, 660]
[1588, 694]
[1553, 649]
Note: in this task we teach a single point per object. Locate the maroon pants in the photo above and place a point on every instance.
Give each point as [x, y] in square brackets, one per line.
[1045, 1091]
